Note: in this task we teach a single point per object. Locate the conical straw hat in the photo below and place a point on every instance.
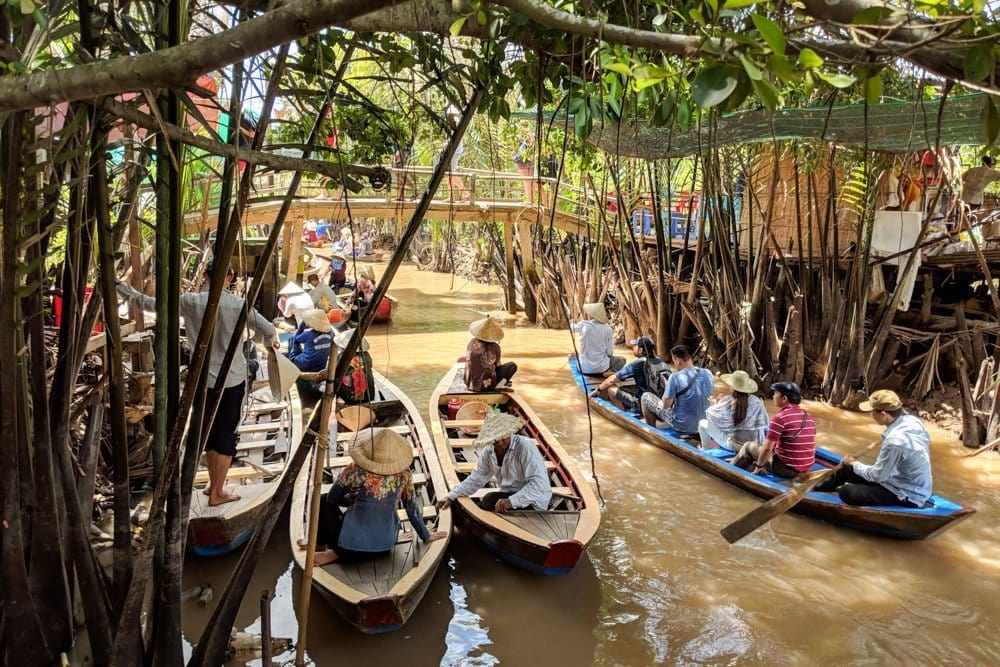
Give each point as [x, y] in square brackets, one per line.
[355, 417]
[596, 311]
[340, 340]
[740, 381]
[497, 426]
[381, 451]
[281, 374]
[472, 410]
[486, 329]
[291, 288]
[317, 319]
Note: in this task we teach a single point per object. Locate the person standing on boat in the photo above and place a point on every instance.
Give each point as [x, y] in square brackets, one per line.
[220, 447]
[483, 370]
[513, 460]
[321, 294]
[790, 447]
[734, 419]
[901, 475]
[685, 397]
[649, 372]
[597, 343]
[309, 350]
[370, 489]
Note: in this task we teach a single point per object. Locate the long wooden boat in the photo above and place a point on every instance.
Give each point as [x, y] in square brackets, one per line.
[380, 595]
[267, 433]
[384, 313]
[898, 522]
[545, 542]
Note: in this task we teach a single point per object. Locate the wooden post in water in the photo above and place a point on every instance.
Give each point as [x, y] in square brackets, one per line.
[527, 270]
[508, 253]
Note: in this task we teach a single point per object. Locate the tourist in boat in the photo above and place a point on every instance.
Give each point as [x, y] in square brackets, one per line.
[596, 342]
[322, 295]
[369, 489]
[901, 475]
[365, 247]
[483, 370]
[790, 447]
[309, 350]
[293, 302]
[735, 419]
[649, 373]
[514, 461]
[220, 447]
[358, 385]
[685, 398]
[363, 294]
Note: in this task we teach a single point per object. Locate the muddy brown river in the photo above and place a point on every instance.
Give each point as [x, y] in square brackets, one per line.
[658, 585]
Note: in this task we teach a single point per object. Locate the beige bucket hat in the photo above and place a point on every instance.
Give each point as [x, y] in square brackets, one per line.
[486, 329]
[596, 311]
[291, 288]
[497, 426]
[281, 374]
[340, 340]
[740, 381]
[317, 319]
[472, 410]
[883, 399]
[381, 451]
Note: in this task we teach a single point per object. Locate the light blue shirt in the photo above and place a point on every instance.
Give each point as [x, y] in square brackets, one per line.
[689, 408]
[903, 465]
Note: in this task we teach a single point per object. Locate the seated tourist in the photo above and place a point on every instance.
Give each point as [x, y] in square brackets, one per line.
[596, 343]
[369, 490]
[514, 461]
[483, 370]
[321, 294]
[648, 371]
[365, 247]
[790, 448]
[901, 475]
[685, 398]
[309, 350]
[737, 418]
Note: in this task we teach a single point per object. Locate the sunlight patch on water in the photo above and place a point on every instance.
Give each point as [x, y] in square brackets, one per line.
[466, 635]
[725, 635]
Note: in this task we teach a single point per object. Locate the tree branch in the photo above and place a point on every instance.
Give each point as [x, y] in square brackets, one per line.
[178, 66]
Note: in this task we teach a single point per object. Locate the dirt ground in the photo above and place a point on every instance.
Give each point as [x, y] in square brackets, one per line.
[942, 407]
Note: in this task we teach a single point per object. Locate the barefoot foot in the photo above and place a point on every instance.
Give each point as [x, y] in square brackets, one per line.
[325, 557]
[222, 499]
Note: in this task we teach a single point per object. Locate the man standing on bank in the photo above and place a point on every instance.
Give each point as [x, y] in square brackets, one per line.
[901, 475]
[220, 447]
[790, 448]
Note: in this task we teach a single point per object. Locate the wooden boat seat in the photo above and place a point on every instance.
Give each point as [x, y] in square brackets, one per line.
[460, 443]
[262, 427]
[469, 467]
[402, 429]
[341, 461]
[264, 408]
[461, 423]
[254, 445]
[241, 473]
[429, 512]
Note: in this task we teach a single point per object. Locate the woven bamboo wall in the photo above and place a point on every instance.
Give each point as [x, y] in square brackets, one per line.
[813, 206]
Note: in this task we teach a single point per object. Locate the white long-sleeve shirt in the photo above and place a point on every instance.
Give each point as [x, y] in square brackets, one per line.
[523, 472]
[295, 305]
[904, 463]
[597, 345]
[192, 309]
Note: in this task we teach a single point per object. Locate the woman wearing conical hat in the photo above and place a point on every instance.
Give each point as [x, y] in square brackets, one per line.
[515, 463]
[369, 490]
[309, 350]
[483, 370]
[596, 342]
[732, 420]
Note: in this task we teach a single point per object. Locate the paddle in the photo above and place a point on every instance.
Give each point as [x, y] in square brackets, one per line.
[780, 504]
[987, 446]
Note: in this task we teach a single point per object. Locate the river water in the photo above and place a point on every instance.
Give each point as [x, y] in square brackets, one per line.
[659, 585]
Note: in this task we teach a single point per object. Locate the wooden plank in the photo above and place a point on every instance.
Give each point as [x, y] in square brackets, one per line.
[461, 423]
[429, 512]
[401, 429]
[461, 443]
[254, 445]
[261, 427]
[240, 473]
[469, 467]
[341, 461]
[263, 408]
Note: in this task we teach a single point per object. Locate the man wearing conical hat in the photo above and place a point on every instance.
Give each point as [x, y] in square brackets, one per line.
[514, 461]
[483, 370]
[220, 448]
[596, 346]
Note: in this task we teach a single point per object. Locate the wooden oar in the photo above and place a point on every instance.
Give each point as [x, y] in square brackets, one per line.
[987, 446]
[780, 504]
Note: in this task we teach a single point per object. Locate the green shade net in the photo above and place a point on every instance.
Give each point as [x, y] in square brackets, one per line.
[894, 126]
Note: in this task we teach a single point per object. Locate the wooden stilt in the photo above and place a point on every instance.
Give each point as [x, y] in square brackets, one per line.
[508, 252]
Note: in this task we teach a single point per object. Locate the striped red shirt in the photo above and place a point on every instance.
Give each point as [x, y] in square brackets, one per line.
[795, 431]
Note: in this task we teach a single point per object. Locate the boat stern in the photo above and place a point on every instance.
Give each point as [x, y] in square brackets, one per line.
[562, 557]
[380, 614]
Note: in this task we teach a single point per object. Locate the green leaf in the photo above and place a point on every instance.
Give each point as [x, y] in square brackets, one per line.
[751, 69]
[781, 67]
[620, 68]
[660, 19]
[27, 6]
[809, 59]
[990, 118]
[713, 85]
[40, 19]
[979, 61]
[837, 80]
[456, 27]
[873, 89]
[766, 93]
[481, 17]
[697, 17]
[771, 33]
[714, 5]
[871, 16]
[736, 4]
[684, 115]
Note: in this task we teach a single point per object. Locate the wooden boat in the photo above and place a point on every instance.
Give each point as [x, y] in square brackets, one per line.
[380, 595]
[545, 542]
[267, 433]
[383, 314]
[898, 522]
[373, 258]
